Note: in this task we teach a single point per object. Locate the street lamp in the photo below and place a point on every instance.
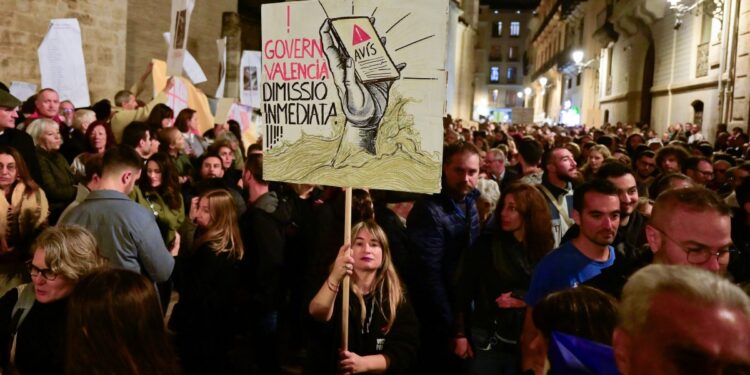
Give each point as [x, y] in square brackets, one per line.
[577, 56]
[680, 10]
[527, 91]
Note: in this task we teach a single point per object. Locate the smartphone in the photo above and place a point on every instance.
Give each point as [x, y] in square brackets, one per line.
[359, 40]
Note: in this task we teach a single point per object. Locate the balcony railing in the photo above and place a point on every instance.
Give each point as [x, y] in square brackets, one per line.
[701, 66]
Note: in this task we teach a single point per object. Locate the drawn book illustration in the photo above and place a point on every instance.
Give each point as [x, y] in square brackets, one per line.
[357, 37]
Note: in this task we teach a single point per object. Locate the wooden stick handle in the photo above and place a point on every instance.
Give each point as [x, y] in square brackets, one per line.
[345, 293]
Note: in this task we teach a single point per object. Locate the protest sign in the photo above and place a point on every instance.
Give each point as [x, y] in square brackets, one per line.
[183, 95]
[190, 66]
[61, 62]
[180, 24]
[250, 76]
[353, 92]
[229, 109]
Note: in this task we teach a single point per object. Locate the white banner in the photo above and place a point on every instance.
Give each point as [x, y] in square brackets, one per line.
[192, 69]
[250, 66]
[180, 24]
[221, 45]
[61, 63]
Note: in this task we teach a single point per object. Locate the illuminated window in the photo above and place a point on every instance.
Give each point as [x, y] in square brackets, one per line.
[510, 74]
[497, 31]
[515, 28]
[494, 74]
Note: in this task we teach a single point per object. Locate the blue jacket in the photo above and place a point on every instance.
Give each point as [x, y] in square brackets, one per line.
[439, 232]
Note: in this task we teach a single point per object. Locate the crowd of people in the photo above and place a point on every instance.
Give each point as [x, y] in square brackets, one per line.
[132, 243]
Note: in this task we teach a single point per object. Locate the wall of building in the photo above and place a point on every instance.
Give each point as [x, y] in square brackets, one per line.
[740, 113]
[149, 19]
[103, 34]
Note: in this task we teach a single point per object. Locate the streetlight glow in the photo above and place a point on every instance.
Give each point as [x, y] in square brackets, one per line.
[527, 91]
[543, 81]
[519, 95]
[577, 56]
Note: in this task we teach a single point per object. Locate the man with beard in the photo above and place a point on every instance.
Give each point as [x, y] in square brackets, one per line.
[441, 228]
[597, 212]
[631, 235]
[559, 173]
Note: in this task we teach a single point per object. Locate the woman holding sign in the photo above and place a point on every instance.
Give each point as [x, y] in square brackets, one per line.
[383, 335]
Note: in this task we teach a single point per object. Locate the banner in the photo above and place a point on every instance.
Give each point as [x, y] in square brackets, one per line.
[180, 24]
[22, 90]
[61, 62]
[183, 95]
[353, 92]
[250, 76]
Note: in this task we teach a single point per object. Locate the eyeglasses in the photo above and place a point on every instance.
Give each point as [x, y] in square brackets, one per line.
[35, 271]
[702, 255]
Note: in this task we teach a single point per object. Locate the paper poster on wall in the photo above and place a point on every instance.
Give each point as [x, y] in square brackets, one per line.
[179, 26]
[61, 62]
[250, 67]
[183, 95]
[190, 65]
[221, 46]
[353, 92]
[22, 90]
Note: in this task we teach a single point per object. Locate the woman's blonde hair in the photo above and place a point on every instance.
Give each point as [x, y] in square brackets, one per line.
[386, 282]
[83, 116]
[69, 250]
[223, 232]
[37, 127]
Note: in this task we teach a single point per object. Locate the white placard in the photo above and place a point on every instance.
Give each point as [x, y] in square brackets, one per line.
[250, 66]
[61, 63]
[22, 90]
[191, 67]
[180, 24]
[221, 45]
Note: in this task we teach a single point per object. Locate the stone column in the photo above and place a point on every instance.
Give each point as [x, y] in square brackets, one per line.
[230, 28]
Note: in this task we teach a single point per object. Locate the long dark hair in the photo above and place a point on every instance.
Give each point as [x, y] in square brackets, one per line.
[22, 170]
[115, 326]
[535, 216]
[160, 112]
[169, 190]
[181, 122]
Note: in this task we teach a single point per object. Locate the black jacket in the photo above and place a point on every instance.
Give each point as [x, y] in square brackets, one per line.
[263, 229]
[22, 142]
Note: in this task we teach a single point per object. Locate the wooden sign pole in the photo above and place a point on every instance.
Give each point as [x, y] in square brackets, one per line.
[345, 295]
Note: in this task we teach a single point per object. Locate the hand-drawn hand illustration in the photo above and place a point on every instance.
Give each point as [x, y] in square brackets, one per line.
[363, 103]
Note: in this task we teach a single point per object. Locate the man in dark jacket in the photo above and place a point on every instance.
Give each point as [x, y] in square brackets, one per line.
[263, 227]
[440, 228]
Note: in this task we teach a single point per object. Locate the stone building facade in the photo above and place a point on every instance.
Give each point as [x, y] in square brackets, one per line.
[500, 54]
[119, 38]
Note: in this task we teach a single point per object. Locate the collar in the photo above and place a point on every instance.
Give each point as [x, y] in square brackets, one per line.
[555, 190]
[107, 194]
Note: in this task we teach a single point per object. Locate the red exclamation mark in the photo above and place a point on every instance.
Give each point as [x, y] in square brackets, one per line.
[288, 16]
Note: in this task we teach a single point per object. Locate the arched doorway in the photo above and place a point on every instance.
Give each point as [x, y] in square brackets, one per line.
[697, 112]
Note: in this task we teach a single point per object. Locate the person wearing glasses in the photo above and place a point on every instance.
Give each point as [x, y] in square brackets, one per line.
[700, 170]
[33, 316]
[691, 226]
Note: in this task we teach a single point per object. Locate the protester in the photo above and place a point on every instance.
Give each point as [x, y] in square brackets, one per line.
[441, 227]
[383, 331]
[205, 319]
[557, 187]
[187, 123]
[158, 190]
[10, 136]
[126, 232]
[127, 111]
[161, 116]
[494, 278]
[33, 316]
[682, 320]
[99, 138]
[23, 214]
[57, 180]
[597, 155]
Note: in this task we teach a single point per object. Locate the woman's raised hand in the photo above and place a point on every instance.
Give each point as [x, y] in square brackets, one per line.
[343, 265]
